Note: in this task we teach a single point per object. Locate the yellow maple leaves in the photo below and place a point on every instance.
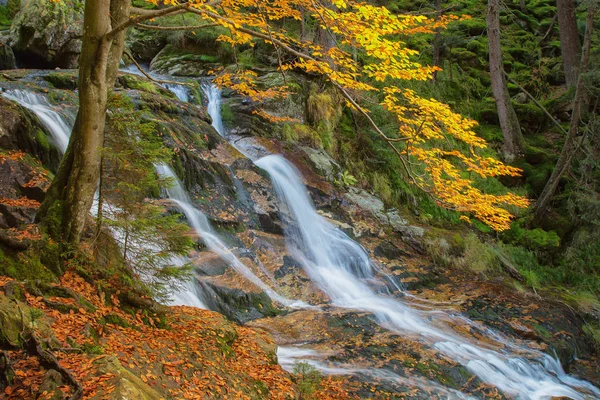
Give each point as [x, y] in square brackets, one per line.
[438, 148]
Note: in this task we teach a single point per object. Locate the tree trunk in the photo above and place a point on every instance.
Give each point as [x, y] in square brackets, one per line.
[76, 181]
[570, 146]
[437, 40]
[570, 45]
[513, 139]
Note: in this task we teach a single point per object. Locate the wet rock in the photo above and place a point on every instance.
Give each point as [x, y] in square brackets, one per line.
[389, 251]
[7, 57]
[269, 222]
[21, 131]
[48, 34]
[290, 266]
[236, 304]
[323, 163]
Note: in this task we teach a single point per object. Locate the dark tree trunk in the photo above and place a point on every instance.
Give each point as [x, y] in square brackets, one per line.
[437, 40]
[570, 45]
[513, 139]
[570, 146]
[75, 183]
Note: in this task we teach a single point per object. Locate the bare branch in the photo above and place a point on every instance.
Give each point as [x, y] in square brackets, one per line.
[147, 75]
[144, 17]
[174, 28]
[536, 102]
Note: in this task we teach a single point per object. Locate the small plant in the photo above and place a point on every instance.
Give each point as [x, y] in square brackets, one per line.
[308, 379]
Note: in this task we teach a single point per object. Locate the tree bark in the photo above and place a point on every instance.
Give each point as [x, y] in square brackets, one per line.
[570, 45]
[513, 138]
[570, 146]
[75, 183]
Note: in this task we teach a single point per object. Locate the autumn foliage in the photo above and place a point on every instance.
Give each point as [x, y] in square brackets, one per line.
[439, 149]
[188, 353]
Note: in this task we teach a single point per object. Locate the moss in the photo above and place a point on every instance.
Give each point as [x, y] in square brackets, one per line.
[114, 319]
[62, 80]
[24, 266]
[42, 139]
[226, 113]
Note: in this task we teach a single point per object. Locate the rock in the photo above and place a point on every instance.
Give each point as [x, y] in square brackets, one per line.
[323, 163]
[7, 57]
[178, 62]
[51, 383]
[21, 131]
[210, 264]
[17, 320]
[20, 191]
[127, 386]
[375, 206]
[236, 304]
[520, 98]
[47, 34]
[145, 45]
[290, 266]
[389, 251]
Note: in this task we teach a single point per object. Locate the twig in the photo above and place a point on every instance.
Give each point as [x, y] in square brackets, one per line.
[139, 67]
[535, 101]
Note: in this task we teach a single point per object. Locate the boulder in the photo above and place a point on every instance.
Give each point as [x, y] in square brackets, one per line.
[323, 163]
[145, 45]
[375, 206]
[20, 130]
[180, 62]
[7, 57]
[126, 385]
[47, 34]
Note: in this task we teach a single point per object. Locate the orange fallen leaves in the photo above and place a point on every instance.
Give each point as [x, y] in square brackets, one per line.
[194, 357]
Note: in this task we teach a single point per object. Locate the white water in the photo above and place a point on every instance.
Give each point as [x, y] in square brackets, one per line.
[48, 116]
[289, 357]
[338, 266]
[204, 230]
[61, 131]
[181, 91]
[213, 95]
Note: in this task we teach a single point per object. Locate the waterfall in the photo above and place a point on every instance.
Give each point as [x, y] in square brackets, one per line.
[211, 239]
[213, 95]
[180, 91]
[338, 266]
[48, 116]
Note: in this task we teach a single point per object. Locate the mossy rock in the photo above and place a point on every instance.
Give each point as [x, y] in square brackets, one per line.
[17, 320]
[126, 385]
[48, 34]
[61, 80]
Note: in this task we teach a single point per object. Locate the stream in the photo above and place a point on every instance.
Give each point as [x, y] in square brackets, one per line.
[342, 269]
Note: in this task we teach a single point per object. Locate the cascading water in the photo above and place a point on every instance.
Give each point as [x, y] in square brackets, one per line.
[213, 95]
[204, 230]
[180, 91]
[52, 120]
[60, 130]
[338, 265]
